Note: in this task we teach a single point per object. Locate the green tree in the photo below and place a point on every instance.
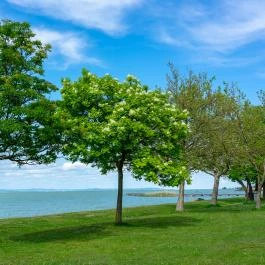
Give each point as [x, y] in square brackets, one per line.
[209, 145]
[27, 131]
[218, 140]
[194, 94]
[261, 95]
[122, 125]
[251, 142]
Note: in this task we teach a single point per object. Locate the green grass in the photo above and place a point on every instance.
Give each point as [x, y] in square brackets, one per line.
[233, 233]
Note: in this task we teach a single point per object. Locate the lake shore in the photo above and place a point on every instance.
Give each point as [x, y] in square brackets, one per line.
[175, 194]
[37, 203]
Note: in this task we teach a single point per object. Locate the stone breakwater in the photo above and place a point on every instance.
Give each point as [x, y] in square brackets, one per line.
[174, 194]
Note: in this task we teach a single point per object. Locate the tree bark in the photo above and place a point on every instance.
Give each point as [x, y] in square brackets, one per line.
[180, 202]
[244, 187]
[118, 219]
[250, 191]
[215, 189]
[258, 194]
[256, 185]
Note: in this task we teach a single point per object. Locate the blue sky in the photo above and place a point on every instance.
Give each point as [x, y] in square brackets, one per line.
[223, 38]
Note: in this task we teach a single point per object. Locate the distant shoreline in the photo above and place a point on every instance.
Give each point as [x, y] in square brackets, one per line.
[26, 203]
[167, 189]
[175, 194]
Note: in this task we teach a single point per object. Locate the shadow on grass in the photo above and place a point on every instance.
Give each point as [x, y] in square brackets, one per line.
[101, 230]
[224, 205]
[162, 222]
[80, 233]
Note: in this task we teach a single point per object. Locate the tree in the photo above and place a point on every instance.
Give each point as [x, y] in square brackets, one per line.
[27, 130]
[193, 94]
[251, 142]
[122, 125]
[218, 140]
[210, 146]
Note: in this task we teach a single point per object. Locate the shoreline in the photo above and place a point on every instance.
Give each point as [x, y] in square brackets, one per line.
[175, 194]
[91, 211]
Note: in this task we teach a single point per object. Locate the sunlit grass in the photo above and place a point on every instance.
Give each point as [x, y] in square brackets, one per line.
[232, 233]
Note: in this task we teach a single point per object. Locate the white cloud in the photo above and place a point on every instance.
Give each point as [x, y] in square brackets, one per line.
[67, 175]
[260, 74]
[224, 26]
[227, 61]
[71, 166]
[243, 23]
[69, 45]
[61, 175]
[12, 174]
[165, 37]
[214, 32]
[104, 15]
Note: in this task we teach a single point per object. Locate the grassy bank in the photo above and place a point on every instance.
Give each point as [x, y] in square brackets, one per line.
[232, 233]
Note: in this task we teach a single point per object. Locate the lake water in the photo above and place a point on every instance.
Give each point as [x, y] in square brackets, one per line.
[33, 203]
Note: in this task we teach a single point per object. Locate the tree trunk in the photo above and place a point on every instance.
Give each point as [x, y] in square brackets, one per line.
[256, 185]
[263, 195]
[250, 191]
[258, 194]
[180, 203]
[118, 219]
[215, 189]
[244, 187]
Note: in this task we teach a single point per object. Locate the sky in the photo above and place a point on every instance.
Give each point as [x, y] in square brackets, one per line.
[223, 38]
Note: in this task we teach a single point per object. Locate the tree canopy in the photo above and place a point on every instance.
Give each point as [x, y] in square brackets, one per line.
[28, 132]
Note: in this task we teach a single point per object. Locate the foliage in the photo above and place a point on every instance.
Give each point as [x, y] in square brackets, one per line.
[245, 174]
[210, 118]
[193, 94]
[216, 133]
[27, 133]
[242, 172]
[111, 121]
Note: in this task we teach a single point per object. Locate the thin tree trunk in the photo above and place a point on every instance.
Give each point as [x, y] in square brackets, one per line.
[250, 191]
[263, 195]
[118, 219]
[215, 189]
[263, 179]
[258, 194]
[256, 185]
[244, 187]
[180, 203]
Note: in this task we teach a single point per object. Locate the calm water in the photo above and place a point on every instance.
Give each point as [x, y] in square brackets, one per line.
[32, 203]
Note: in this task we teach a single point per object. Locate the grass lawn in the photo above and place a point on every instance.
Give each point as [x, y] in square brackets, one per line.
[233, 233]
